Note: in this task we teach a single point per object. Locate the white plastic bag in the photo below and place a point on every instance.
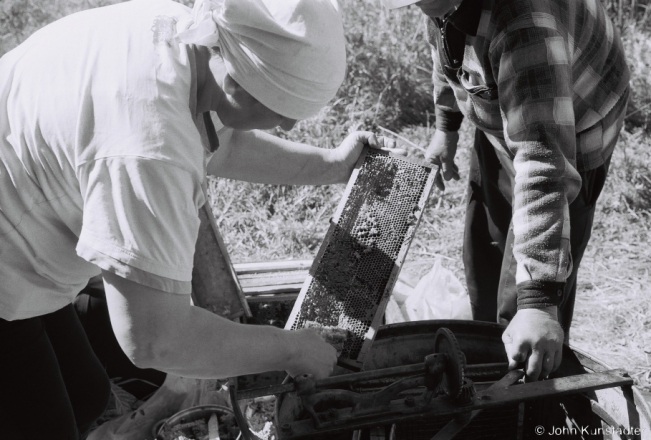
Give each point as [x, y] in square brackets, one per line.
[394, 312]
[438, 295]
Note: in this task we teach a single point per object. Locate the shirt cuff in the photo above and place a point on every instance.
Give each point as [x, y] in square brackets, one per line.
[537, 294]
[447, 120]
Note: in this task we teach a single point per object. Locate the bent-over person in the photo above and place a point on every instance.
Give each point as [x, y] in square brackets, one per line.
[103, 157]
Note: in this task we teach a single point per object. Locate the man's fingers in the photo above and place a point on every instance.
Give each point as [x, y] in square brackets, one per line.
[547, 365]
[455, 171]
[450, 169]
[434, 160]
[507, 338]
[438, 180]
[515, 352]
[513, 364]
[445, 170]
[551, 362]
[534, 364]
[516, 359]
[558, 358]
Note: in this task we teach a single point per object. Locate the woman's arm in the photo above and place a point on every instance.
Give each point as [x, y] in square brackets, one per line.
[163, 330]
[256, 156]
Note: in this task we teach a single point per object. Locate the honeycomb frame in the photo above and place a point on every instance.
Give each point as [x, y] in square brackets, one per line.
[357, 265]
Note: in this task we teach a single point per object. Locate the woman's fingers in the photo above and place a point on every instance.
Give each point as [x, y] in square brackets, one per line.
[396, 151]
[385, 144]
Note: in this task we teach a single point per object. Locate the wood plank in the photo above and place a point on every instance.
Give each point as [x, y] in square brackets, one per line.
[271, 266]
[272, 281]
[271, 290]
[276, 297]
[275, 280]
[266, 279]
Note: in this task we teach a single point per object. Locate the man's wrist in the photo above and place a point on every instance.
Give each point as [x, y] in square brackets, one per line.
[552, 311]
[447, 120]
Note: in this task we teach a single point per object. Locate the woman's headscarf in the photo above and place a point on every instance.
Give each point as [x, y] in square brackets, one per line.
[288, 54]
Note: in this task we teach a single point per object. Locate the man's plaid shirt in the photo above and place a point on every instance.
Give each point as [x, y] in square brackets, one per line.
[547, 81]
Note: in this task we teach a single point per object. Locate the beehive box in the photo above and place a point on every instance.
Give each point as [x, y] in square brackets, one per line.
[359, 260]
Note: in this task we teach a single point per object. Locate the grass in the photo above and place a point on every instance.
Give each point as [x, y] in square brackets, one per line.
[388, 86]
[613, 310]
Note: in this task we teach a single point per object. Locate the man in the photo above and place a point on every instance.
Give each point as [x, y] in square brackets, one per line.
[545, 83]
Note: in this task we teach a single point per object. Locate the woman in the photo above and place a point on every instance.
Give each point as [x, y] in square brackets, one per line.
[103, 154]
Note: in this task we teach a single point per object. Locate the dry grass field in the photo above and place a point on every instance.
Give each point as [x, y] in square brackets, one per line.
[388, 88]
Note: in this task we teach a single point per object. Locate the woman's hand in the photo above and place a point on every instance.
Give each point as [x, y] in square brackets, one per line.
[311, 355]
[347, 153]
[441, 151]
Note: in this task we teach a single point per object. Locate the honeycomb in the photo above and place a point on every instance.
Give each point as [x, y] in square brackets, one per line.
[359, 260]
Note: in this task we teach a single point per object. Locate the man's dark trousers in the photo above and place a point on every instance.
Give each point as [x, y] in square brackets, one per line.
[489, 271]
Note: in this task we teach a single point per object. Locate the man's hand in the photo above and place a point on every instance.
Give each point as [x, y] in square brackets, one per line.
[534, 336]
[312, 355]
[349, 150]
[441, 151]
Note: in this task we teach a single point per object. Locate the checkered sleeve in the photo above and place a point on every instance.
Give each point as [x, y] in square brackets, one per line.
[534, 76]
[448, 115]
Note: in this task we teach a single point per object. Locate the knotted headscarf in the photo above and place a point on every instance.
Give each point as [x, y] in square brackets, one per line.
[288, 54]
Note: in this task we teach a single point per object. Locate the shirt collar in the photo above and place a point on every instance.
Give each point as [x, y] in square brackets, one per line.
[466, 17]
